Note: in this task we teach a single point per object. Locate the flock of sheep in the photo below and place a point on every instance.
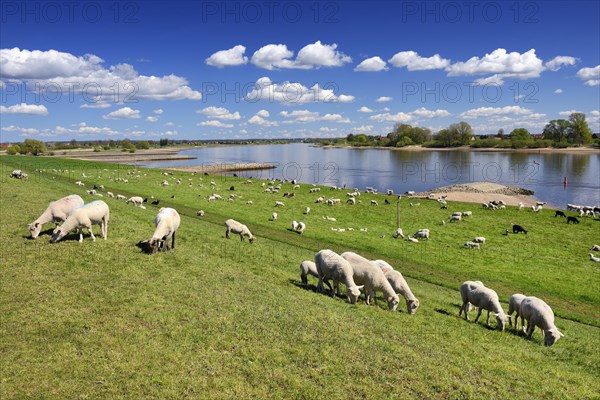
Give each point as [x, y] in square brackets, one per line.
[354, 271]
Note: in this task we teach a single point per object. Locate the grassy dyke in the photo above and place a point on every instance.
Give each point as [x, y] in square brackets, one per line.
[218, 318]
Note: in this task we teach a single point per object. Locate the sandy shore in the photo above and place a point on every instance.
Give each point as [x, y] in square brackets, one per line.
[221, 168]
[482, 192]
[548, 150]
[125, 157]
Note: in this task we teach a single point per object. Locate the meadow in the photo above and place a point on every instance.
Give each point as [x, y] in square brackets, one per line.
[218, 318]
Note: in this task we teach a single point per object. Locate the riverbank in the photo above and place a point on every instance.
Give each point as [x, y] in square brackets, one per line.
[415, 148]
[221, 168]
[482, 192]
[125, 157]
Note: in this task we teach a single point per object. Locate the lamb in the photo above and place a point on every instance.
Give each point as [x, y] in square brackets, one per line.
[279, 204]
[274, 216]
[310, 268]
[368, 273]
[96, 212]
[294, 225]
[110, 194]
[166, 222]
[398, 233]
[559, 213]
[57, 211]
[467, 213]
[120, 197]
[479, 239]
[593, 258]
[399, 285]
[472, 245]
[514, 305]
[518, 228]
[200, 213]
[483, 298]
[422, 233]
[136, 200]
[374, 203]
[538, 313]
[573, 220]
[236, 227]
[331, 265]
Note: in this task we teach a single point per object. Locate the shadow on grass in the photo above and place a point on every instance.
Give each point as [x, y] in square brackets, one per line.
[42, 233]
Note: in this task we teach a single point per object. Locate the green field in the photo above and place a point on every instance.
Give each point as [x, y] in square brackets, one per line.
[218, 318]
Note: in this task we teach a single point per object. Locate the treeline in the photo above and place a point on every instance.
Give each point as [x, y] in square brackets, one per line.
[557, 133]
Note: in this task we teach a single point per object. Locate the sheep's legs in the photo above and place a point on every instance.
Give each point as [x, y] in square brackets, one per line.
[173, 241]
[487, 321]
[89, 228]
[478, 314]
[227, 233]
[81, 235]
[464, 308]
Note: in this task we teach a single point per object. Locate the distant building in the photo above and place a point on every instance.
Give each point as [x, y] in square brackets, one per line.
[537, 135]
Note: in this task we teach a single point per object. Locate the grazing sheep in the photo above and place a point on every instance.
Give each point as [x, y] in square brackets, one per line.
[399, 285]
[467, 213]
[236, 227]
[471, 245]
[310, 268]
[91, 192]
[593, 258]
[422, 234]
[329, 219]
[331, 265]
[398, 233]
[18, 174]
[274, 216]
[110, 194]
[320, 199]
[200, 213]
[166, 222]
[96, 212]
[294, 225]
[249, 202]
[485, 299]
[521, 206]
[351, 201]
[314, 190]
[307, 210]
[595, 248]
[279, 204]
[537, 313]
[301, 227]
[374, 203]
[412, 240]
[57, 211]
[518, 228]
[136, 200]
[120, 197]
[479, 239]
[514, 305]
[559, 213]
[455, 218]
[572, 219]
[369, 274]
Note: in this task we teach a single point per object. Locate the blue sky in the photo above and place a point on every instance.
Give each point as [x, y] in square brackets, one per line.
[213, 69]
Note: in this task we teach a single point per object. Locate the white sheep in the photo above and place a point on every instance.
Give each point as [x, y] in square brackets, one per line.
[479, 239]
[79, 183]
[200, 213]
[369, 274]
[471, 245]
[249, 202]
[331, 265]
[422, 234]
[110, 194]
[537, 313]
[374, 203]
[274, 216]
[594, 258]
[166, 222]
[399, 285]
[279, 204]
[96, 212]
[120, 197]
[310, 268]
[91, 192]
[301, 227]
[398, 233]
[294, 225]
[514, 305]
[314, 190]
[412, 240]
[595, 248]
[351, 201]
[236, 227]
[57, 211]
[329, 219]
[521, 206]
[485, 299]
[136, 200]
[320, 199]
[467, 213]
[455, 218]
[307, 210]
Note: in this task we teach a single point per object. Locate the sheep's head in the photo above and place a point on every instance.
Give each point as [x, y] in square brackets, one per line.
[353, 293]
[501, 319]
[551, 336]
[156, 244]
[393, 303]
[58, 234]
[412, 306]
[34, 229]
[251, 238]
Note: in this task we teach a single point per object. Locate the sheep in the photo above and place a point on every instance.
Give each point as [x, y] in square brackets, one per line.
[374, 203]
[79, 183]
[521, 206]
[96, 212]
[279, 204]
[57, 211]
[331, 265]
[398, 233]
[573, 220]
[296, 187]
[472, 245]
[351, 201]
[165, 183]
[422, 233]
[136, 200]
[593, 258]
[485, 299]
[200, 213]
[166, 222]
[294, 225]
[559, 213]
[249, 202]
[301, 227]
[320, 199]
[479, 239]
[537, 313]
[369, 274]
[236, 227]
[307, 210]
[455, 218]
[120, 197]
[514, 305]
[91, 192]
[110, 194]
[329, 219]
[274, 216]
[310, 268]
[595, 248]
[17, 173]
[399, 285]
[314, 190]
[518, 228]
[412, 240]
[467, 213]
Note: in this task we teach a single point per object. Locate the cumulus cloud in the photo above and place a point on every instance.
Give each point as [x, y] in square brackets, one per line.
[372, 64]
[260, 118]
[558, 91]
[363, 129]
[228, 58]
[220, 113]
[13, 128]
[123, 113]
[158, 111]
[293, 93]
[215, 124]
[559, 61]
[305, 116]
[568, 113]
[414, 62]
[387, 117]
[117, 83]
[591, 76]
[315, 55]
[364, 109]
[423, 112]
[83, 129]
[497, 112]
[263, 113]
[151, 119]
[24, 108]
[98, 104]
[383, 99]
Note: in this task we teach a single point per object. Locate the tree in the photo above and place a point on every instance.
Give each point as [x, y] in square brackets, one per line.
[578, 131]
[143, 145]
[556, 130]
[405, 134]
[13, 149]
[520, 134]
[32, 146]
[500, 133]
[463, 132]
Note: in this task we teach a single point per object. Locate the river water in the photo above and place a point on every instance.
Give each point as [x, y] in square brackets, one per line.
[415, 170]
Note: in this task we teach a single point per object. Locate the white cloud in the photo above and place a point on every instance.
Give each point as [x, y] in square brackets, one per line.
[327, 129]
[500, 63]
[83, 129]
[26, 109]
[263, 113]
[158, 111]
[123, 113]
[316, 55]
[305, 116]
[423, 112]
[258, 120]
[98, 104]
[595, 113]
[494, 80]
[169, 124]
[568, 113]
[558, 91]
[383, 99]
[228, 58]
[414, 62]
[591, 76]
[372, 64]
[559, 61]
[215, 124]
[364, 109]
[117, 83]
[363, 129]
[220, 113]
[387, 117]
[498, 112]
[293, 93]
[12, 128]
[151, 119]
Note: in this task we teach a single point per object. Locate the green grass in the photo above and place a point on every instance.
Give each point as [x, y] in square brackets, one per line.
[218, 318]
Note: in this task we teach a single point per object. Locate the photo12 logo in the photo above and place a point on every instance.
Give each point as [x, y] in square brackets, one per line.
[269, 12]
[52, 12]
[456, 12]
